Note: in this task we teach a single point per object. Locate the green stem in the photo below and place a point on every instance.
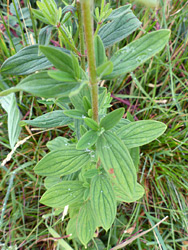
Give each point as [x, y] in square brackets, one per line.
[87, 18]
[67, 40]
[81, 35]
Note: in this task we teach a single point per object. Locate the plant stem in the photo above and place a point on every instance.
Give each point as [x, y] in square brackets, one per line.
[87, 18]
[81, 34]
[67, 39]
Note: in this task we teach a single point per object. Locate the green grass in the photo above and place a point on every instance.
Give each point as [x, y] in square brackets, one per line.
[157, 90]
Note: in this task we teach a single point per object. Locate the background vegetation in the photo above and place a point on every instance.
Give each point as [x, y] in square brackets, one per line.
[157, 90]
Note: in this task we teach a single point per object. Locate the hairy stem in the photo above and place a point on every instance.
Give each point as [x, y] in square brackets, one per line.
[88, 28]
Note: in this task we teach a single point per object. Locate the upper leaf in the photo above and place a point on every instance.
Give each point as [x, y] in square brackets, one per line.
[45, 35]
[63, 194]
[58, 58]
[100, 55]
[111, 119]
[39, 15]
[87, 140]
[61, 76]
[49, 11]
[121, 27]
[117, 162]
[134, 54]
[61, 162]
[86, 223]
[139, 133]
[91, 123]
[103, 200]
[77, 100]
[104, 69]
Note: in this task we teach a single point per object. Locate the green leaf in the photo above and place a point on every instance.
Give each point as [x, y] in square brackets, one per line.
[119, 28]
[61, 162]
[99, 245]
[86, 194]
[103, 200]
[61, 76]
[116, 13]
[83, 130]
[63, 194]
[121, 123]
[86, 103]
[135, 155]
[87, 140]
[112, 118]
[85, 91]
[49, 120]
[130, 117]
[105, 69]
[40, 84]
[131, 56]
[91, 123]
[76, 67]
[150, 4]
[59, 59]
[48, 12]
[86, 223]
[74, 113]
[50, 181]
[57, 143]
[140, 133]
[77, 100]
[71, 228]
[25, 62]
[100, 55]
[14, 116]
[117, 162]
[123, 197]
[45, 35]
[90, 173]
[39, 15]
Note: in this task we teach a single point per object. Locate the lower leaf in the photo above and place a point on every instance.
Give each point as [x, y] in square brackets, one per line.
[103, 200]
[86, 223]
[61, 162]
[135, 155]
[117, 162]
[123, 197]
[63, 194]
